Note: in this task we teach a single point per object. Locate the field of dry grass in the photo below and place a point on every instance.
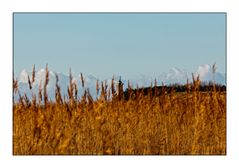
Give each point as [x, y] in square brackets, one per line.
[191, 122]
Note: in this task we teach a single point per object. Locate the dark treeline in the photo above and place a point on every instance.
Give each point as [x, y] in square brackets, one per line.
[159, 90]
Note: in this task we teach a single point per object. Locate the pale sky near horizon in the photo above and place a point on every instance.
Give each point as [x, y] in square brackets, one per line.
[127, 44]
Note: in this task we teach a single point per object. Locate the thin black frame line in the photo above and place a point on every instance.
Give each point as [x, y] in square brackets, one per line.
[120, 12]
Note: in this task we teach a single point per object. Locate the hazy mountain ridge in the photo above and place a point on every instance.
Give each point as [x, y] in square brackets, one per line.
[174, 75]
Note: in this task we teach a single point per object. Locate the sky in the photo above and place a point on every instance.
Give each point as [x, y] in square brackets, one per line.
[127, 44]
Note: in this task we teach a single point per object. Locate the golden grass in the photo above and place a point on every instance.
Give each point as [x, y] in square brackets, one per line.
[191, 122]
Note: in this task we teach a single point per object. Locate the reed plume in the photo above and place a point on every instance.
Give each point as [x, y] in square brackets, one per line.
[45, 85]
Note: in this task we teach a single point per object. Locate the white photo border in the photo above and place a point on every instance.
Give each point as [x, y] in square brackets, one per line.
[7, 7]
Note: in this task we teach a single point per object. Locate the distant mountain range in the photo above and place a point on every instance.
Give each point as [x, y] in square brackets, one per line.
[174, 75]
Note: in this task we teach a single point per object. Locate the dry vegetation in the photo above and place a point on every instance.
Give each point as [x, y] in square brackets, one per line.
[192, 122]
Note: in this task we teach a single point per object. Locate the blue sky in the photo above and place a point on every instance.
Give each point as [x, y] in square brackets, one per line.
[127, 44]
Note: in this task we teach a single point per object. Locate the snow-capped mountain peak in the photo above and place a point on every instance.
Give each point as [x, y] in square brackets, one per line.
[23, 77]
[175, 70]
[204, 70]
[206, 74]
